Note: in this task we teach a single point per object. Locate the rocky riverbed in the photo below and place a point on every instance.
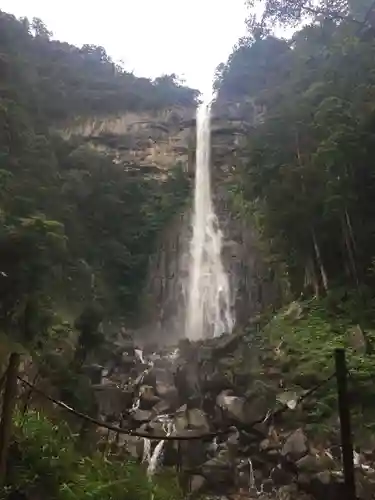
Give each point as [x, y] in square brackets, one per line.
[251, 442]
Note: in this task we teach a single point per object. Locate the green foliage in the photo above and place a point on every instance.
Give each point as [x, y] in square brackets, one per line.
[44, 458]
[306, 172]
[306, 344]
[77, 226]
[293, 12]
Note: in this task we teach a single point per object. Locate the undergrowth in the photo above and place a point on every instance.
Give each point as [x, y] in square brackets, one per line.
[44, 460]
[302, 344]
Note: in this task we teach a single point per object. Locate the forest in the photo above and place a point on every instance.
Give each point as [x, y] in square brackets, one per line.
[69, 214]
[307, 180]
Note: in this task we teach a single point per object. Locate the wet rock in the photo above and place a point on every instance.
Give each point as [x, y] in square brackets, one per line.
[214, 382]
[295, 447]
[167, 392]
[148, 397]
[187, 380]
[197, 420]
[234, 406]
[281, 476]
[219, 471]
[315, 463]
[193, 418]
[133, 445]
[127, 360]
[140, 415]
[192, 454]
[160, 408]
[111, 399]
[153, 427]
[94, 372]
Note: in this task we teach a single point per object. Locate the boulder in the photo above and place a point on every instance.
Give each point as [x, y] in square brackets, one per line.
[161, 408]
[111, 399]
[196, 483]
[315, 463]
[234, 406]
[147, 396]
[193, 418]
[140, 416]
[295, 446]
[219, 472]
[133, 444]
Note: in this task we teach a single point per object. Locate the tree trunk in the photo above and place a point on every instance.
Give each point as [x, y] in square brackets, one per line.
[9, 400]
[346, 229]
[311, 277]
[319, 261]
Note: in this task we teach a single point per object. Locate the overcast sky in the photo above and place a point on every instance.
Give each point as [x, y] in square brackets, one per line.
[152, 37]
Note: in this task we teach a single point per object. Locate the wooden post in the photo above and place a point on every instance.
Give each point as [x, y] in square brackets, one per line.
[9, 399]
[345, 425]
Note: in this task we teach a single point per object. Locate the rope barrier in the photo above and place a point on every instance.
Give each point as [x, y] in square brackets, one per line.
[191, 434]
[121, 430]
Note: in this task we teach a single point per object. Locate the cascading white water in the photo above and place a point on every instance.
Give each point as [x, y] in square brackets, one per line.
[208, 310]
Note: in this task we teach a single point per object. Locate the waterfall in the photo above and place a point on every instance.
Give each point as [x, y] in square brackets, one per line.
[208, 310]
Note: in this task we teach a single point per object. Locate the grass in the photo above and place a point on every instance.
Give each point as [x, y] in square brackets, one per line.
[45, 459]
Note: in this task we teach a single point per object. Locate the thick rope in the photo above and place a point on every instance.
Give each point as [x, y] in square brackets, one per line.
[190, 434]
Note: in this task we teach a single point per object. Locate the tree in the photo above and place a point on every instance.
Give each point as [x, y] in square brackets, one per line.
[305, 171]
[39, 29]
[293, 12]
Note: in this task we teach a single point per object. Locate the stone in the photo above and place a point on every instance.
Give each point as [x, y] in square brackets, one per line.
[139, 415]
[197, 419]
[323, 477]
[288, 492]
[268, 445]
[153, 427]
[196, 483]
[133, 444]
[219, 471]
[215, 382]
[357, 339]
[280, 476]
[161, 407]
[309, 463]
[233, 405]
[168, 393]
[295, 446]
[147, 396]
[288, 398]
[111, 399]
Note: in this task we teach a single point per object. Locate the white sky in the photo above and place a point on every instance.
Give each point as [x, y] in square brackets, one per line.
[152, 37]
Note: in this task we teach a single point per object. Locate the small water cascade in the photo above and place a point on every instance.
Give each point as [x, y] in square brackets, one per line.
[208, 309]
[156, 457]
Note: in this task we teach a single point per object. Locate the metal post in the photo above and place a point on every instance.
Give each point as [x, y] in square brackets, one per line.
[345, 426]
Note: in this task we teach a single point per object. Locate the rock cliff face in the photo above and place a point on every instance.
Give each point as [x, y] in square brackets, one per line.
[155, 143]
